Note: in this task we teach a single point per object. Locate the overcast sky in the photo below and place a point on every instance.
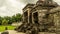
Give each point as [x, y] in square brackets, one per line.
[11, 7]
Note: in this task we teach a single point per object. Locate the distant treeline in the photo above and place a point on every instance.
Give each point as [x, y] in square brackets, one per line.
[6, 20]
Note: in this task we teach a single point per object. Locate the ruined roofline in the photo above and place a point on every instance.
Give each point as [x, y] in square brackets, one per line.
[54, 10]
[42, 7]
[28, 5]
[46, 3]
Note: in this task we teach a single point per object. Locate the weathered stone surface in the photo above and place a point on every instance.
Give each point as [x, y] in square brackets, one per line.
[41, 17]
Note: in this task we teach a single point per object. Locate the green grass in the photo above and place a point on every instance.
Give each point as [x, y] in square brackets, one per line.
[2, 28]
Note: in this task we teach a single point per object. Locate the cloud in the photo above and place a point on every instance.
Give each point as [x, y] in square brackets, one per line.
[58, 1]
[11, 7]
[1, 2]
[28, 1]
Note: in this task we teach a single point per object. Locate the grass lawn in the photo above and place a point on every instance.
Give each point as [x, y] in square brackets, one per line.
[2, 28]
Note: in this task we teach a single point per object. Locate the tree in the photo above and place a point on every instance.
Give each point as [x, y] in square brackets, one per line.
[4, 22]
[17, 18]
[9, 20]
[0, 20]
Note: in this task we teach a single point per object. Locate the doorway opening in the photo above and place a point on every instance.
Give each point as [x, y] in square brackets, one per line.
[35, 17]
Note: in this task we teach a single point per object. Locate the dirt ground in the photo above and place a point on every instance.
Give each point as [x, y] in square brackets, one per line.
[15, 32]
[46, 33]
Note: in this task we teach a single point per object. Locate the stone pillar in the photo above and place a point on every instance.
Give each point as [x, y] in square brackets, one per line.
[32, 18]
[29, 15]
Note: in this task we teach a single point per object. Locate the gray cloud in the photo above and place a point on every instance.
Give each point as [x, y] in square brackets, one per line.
[34, 1]
[58, 1]
[11, 7]
[28, 1]
[2, 2]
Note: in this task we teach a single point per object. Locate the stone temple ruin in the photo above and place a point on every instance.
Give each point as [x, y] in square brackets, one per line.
[44, 16]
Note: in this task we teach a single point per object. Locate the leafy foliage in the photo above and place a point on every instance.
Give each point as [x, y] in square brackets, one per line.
[9, 20]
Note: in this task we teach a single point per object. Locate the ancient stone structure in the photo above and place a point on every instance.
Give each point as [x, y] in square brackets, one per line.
[42, 16]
